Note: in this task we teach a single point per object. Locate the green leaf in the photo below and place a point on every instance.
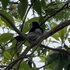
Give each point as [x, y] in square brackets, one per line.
[69, 39]
[7, 18]
[61, 16]
[52, 7]
[37, 7]
[53, 24]
[58, 65]
[56, 36]
[62, 33]
[33, 68]
[55, 62]
[67, 64]
[48, 69]
[22, 7]
[2, 23]
[12, 50]
[26, 43]
[43, 3]
[5, 37]
[52, 57]
[4, 3]
[42, 57]
[24, 66]
[20, 49]
[7, 55]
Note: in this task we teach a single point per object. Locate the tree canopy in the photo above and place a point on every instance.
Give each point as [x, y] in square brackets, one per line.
[52, 47]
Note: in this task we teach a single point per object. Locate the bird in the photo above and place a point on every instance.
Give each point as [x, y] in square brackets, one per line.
[35, 31]
[33, 34]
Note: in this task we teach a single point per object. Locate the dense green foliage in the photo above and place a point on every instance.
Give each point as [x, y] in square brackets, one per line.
[53, 49]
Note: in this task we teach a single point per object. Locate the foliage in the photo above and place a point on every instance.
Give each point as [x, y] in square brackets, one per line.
[14, 20]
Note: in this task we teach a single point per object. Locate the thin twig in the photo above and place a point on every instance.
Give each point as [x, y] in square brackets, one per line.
[17, 48]
[2, 66]
[27, 14]
[53, 31]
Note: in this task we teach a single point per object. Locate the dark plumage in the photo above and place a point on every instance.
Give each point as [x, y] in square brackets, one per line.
[33, 34]
[19, 38]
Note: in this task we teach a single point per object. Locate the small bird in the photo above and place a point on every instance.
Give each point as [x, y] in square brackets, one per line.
[35, 31]
[33, 34]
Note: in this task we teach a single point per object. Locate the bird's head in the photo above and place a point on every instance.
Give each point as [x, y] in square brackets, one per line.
[35, 24]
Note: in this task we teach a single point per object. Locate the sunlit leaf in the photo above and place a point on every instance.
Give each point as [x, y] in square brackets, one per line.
[26, 43]
[5, 37]
[56, 36]
[7, 55]
[42, 57]
[53, 24]
[62, 33]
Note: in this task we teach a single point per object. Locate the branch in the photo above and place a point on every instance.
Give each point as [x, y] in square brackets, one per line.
[55, 13]
[55, 49]
[13, 2]
[2, 66]
[53, 31]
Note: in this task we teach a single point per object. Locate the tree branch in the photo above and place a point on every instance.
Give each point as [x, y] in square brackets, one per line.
[53, 31]
[2, 66]
[55, 49]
